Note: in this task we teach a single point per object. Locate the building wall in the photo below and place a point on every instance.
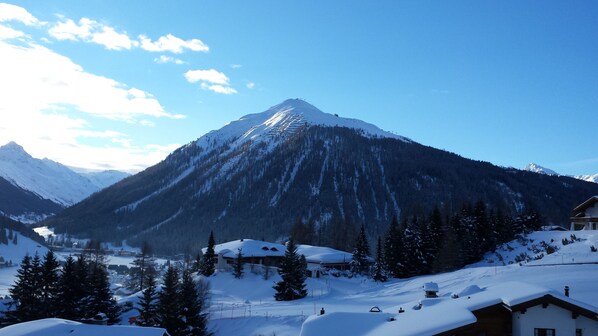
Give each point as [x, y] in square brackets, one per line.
[551, 317]
[588, 327]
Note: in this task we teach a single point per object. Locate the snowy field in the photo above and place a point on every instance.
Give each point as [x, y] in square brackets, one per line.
[247, 307]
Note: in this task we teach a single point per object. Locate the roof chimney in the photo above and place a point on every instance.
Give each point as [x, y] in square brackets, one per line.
[567, 291]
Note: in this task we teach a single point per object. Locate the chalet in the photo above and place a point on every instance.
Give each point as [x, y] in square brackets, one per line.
[254, 252]
[323, 259]
[260, 253]
[511, 308]
[585, 215]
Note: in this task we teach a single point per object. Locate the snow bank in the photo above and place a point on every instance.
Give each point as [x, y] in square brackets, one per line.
[60, 327]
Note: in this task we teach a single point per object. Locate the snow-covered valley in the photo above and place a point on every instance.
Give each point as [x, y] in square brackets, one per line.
[246, 306]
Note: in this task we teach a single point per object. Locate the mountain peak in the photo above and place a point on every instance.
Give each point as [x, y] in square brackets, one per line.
[13, 150]
[535, 168]
[284, 119]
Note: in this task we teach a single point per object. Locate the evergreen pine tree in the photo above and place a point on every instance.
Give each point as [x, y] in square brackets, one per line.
[143, 264]
[360, 263]
[100, 298]
[169, 308]
[208, 263]
[69, 291]
[379, 269]
[22, 294]
[37, 273]
[292, 271]
[148, 306]
[238, 265]
[391, 248]
[197, 262]
[413, 259]
[193, 301]
[49, 285]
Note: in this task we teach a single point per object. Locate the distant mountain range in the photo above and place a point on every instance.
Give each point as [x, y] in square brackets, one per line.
[256, 176]
[33, 189]
[532, 167]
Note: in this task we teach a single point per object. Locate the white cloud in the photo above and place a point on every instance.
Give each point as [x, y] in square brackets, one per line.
[112, 40]
[212, 76]
[46, 103]
[218, 88]
[10, 12]
[235, 66]
[211, 79]
[250, 85]
[172, 43]
[167, 59]
[91, 31]
[9, 33]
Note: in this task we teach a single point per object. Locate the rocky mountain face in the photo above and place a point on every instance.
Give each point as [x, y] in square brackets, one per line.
[33, 189]
[256, 176]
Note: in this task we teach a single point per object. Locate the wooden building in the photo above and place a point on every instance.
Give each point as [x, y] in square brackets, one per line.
[585, 215]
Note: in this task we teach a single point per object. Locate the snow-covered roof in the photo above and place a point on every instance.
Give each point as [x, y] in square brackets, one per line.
[326, 255]
[448, 312]
[431, 287]
[249, 248]
[60, 327]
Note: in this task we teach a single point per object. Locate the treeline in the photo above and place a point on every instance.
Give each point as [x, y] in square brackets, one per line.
[79, 290]
[422, 244]
[9, 227]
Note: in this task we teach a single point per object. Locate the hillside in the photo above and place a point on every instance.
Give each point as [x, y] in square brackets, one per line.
[246, 307]
[254, 177]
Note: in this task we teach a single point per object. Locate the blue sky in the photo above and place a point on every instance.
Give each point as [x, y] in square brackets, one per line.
[120, 84]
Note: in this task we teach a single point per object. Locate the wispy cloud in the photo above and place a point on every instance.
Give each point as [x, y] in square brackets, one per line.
[235, 66]
[172, 44]
[91, 31]
[10, 12]
[211, 79]
[168, 59]
[250, 85]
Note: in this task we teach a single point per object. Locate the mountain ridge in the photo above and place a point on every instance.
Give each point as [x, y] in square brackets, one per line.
[239, 186]
[41, 187]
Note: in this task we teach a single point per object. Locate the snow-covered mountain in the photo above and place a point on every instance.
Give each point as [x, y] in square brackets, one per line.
[41, 181]
[46, 178]
[532, 167]
[255, 176]
[281, 121]
[104, 178]
[589, 178]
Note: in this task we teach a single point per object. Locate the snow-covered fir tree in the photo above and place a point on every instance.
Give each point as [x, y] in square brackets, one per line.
[193, 300]
[360, 263]
[148, 303]
[208, 266]
[379, 268]
[169, 307]
[293, 272]
[238, 265]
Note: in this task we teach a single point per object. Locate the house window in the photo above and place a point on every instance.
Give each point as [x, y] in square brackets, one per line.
[578, 332]
[544, 332]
